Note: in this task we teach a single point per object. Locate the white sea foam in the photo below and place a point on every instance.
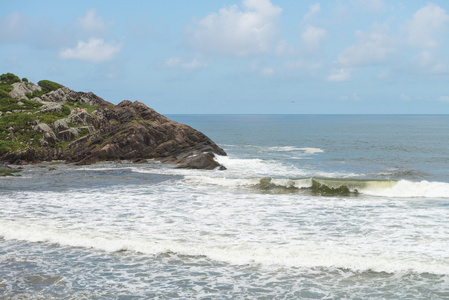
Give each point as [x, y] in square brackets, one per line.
[305, 150]
[249, 168]
[409, 189]
[304, 255]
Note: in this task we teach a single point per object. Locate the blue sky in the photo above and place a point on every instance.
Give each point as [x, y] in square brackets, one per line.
[239, 56]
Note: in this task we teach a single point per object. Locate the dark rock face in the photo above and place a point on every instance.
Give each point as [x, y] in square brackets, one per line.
[127, 131]
[200, 161]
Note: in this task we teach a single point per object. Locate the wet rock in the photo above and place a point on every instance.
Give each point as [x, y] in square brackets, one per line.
[200, 161]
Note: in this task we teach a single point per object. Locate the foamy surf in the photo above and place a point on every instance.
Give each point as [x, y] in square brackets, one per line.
[303, 150]
[250, 167]
[308, 254]
[332, 186]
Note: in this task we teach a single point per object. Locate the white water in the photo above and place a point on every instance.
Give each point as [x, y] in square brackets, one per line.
[253, 231]
[212, 216]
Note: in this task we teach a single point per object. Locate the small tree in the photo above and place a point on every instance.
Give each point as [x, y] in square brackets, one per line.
[9, 78]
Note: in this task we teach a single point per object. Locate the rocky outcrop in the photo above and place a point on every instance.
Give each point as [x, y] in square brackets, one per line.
[96, 130]
[20, 89]
[200, 161]
[64, 95]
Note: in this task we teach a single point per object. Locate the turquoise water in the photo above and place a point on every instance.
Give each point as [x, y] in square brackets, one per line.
[311, 207]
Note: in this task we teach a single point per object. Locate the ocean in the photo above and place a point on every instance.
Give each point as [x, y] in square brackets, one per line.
[310, 207]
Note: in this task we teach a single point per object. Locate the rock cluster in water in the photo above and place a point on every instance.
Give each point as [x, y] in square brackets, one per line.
[82, 128]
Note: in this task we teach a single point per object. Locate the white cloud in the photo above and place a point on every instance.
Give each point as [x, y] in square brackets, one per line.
[13, 27]
[285, 49]
[312, 37]
[267, 71]
[428, 62]
[95, 50]
[443, 99]
[185, 64]
[294, 65]
[384, 74]
[313, 10]
[20, 28]
[353, 97]
[405, 97]
[287, 67]
[371, 48]
[370, 5]
[338, 75]
[92, 24]
[236, 32]
[427, 26]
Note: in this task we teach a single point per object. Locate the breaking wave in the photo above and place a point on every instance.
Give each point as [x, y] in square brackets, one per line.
[332, 186]
[307, 255]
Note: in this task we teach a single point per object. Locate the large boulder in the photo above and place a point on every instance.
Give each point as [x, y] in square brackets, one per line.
[20, 89]
[50, 107]
[200, 161]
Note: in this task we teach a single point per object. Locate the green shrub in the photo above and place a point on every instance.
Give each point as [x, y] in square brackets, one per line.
[48, 86]
[51, 117]
[83, 132]
[6, 146]
[24, 135]
[6, 88]
[8, 172]
[17, 121]
[36, 93]
[4, 94]
[65, 110]
[9, 78]
[28, 104]
[25, 80]
[62, 145]
[9, 104]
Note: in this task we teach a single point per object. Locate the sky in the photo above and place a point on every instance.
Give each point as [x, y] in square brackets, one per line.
[237, 56]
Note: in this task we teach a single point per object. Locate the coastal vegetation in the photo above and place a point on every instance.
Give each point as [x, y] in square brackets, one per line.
[9, 172]
[17, 116]
[48, 121]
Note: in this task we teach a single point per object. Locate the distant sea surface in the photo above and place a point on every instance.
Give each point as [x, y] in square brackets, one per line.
[310, 207]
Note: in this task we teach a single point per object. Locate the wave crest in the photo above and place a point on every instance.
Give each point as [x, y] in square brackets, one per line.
[332, 186]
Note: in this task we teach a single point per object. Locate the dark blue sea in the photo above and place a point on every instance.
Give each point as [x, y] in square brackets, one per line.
[310, 207]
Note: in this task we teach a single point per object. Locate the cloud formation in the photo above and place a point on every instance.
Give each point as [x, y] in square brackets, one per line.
[313, 37]
[431, 63]
[370, 5]
[370, 48]
[234, 31]
[443, 98]
[91, 24]
[427, 26]
[95, 50]
[185, 64]
[338, 75]
[13, 27]
[313, 10]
